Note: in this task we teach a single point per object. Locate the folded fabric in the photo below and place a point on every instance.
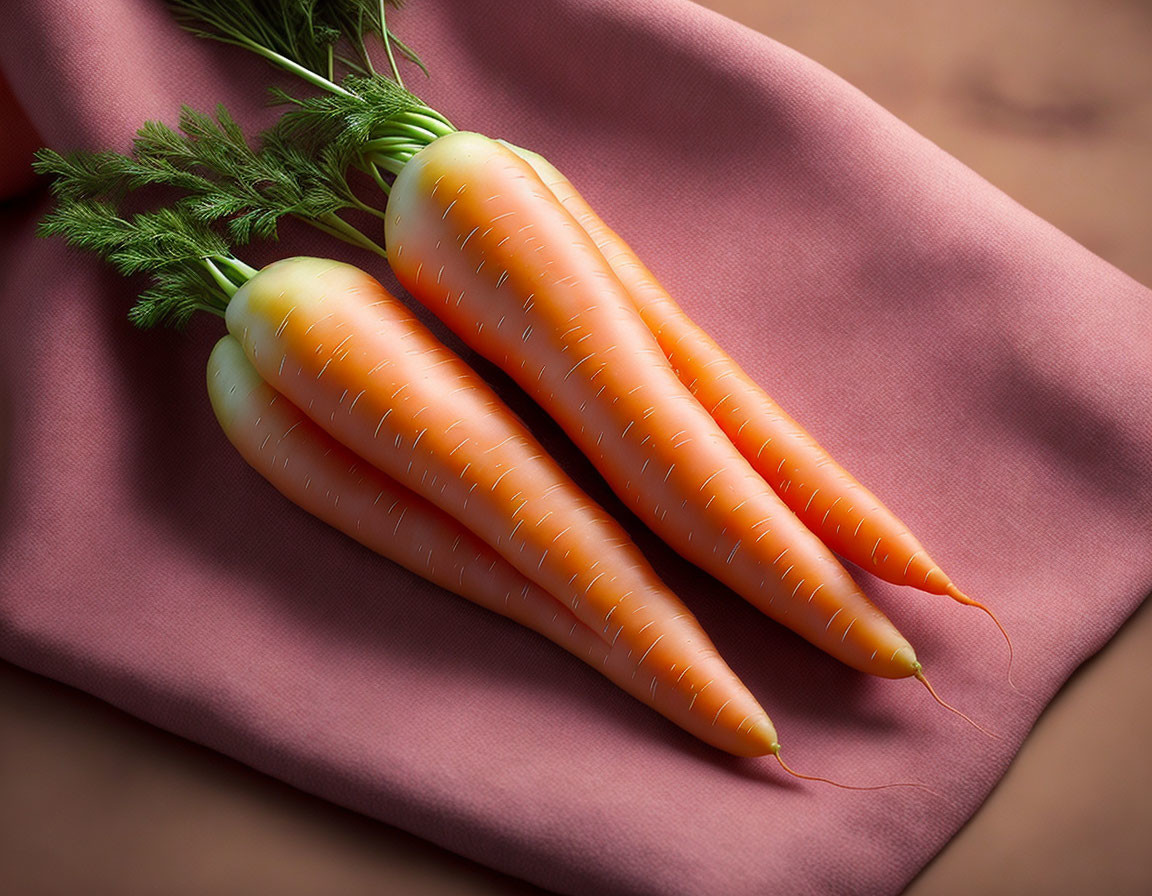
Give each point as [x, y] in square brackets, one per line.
[987, 377]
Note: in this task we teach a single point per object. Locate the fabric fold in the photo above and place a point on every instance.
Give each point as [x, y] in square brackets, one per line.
[983, 374]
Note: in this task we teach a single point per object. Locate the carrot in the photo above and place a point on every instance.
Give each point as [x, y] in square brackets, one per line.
[827, 498]
[474, 235]
[846, 516]
[320, 475]
[831, 502]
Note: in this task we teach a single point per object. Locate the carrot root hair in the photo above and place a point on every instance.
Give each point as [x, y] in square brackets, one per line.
[959, 596]
[842, 786]
[948, 706]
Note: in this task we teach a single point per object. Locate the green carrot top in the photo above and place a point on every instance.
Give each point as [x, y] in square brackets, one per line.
[302, 167]
[307, 37]
[370, 121]
[191, 266]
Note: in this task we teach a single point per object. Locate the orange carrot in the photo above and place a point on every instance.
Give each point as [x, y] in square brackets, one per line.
[828, 499]
[320, 475]
[475, 235]
[358, 363]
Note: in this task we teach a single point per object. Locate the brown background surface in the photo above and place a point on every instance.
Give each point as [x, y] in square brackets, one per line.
[1051, 100]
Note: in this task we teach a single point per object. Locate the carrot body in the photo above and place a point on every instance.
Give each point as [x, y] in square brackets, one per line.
[477, 237]
[336, 345]
[828, 499]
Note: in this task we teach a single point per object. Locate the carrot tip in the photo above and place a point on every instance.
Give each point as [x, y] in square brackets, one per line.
[931, 690]
[764, 735]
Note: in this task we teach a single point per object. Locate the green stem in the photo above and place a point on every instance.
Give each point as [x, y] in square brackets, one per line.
[409, 53]
[369, 209]
[399, 139]
[241, 272]
[420, 134]
[432, 120]
[353, 66]
[388, 45]
[221, 280]
[388, 162]
[229, 274]
[313, 78]
[390, 144]
[212, 309]
[374, 170]
[342, 230]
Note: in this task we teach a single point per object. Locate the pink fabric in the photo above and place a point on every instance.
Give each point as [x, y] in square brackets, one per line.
[988, 377]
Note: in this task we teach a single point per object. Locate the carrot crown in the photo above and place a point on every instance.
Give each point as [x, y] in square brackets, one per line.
[372, 124]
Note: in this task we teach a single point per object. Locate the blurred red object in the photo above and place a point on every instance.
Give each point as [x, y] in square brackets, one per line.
[18, 141]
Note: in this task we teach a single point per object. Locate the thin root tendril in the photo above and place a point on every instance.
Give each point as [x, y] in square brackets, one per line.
[959, 596]
[931, 690]
[796, 774]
